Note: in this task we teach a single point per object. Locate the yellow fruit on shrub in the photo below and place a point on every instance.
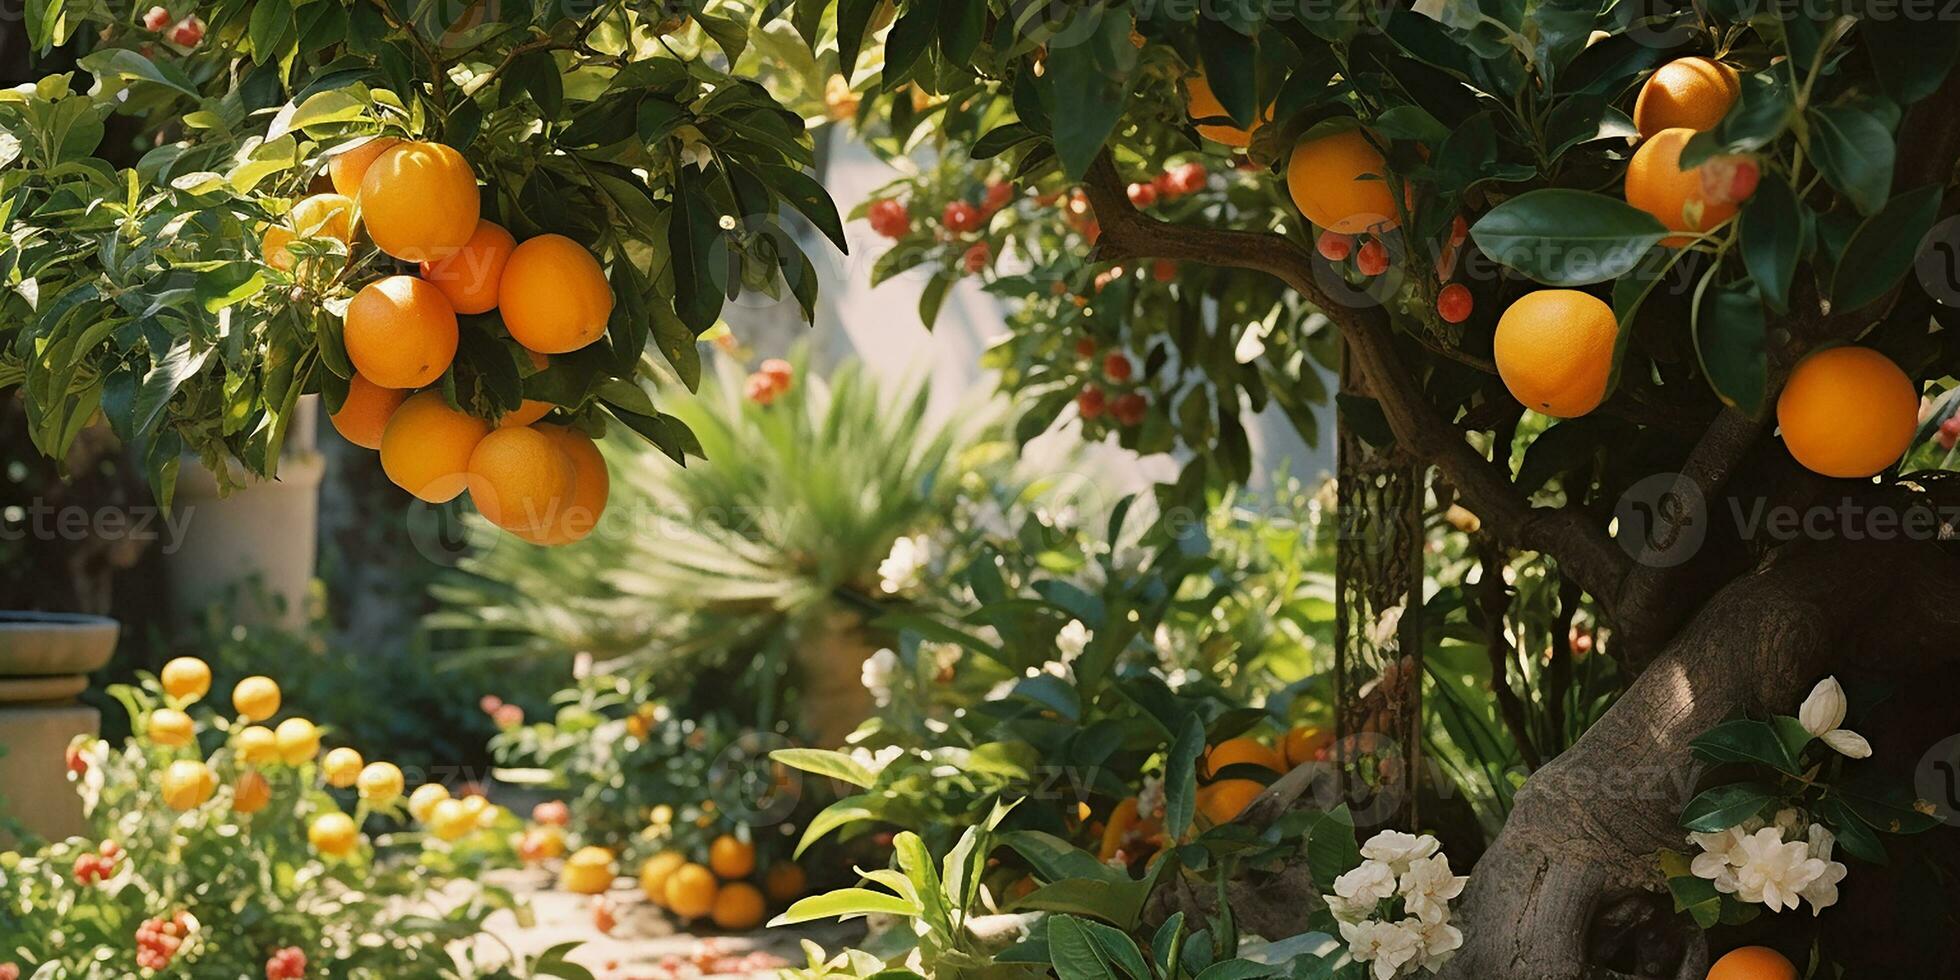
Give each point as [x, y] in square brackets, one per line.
[422, 804]
[426, 448]
[187, 784]
[730, 857]
[1686, 93]
[420, 201]
[654, 874]
[451, 820]
[1753, 963]
[173, 728]
[298, 740]
[1304, 744]
[784, 882]
[1554, 350]
[1657, 184]
[380, 783]
[554, 297]
[1240, 752]
[541, 844]
[341, 767]
[1847, 412]
[1340, 182]
[589, 871]
[186, 678]
[470, 277]
[250, 793]
[257, 745]
[1223, 801]
[591, 485]
[738, 906]
[364, 416]
[691, 891]
[333, 834]
[257, 698]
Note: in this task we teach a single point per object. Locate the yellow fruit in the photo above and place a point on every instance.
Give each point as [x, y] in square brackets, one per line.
[1554, 350]
[784, 882]
[341, 767]
[1304, 744]
[256, 698]
[426, 447]
[1202, 103]
[470, 277]
[333, 834]
[532, 409]
[250, 793]
[419, 201]
[380, 783]
[257, 745]
[1657, 185]
[186, 679]
[738, 906]
[347, 167]
[589, 871]
[1121, 821]
[1847, 412]
[691, 891]
[364, 415]
[187, 784]
[298, 740]
[1753, 963]
[731, 857]
[554, 296]
[541, 844]
[591, 485]
[422, 804]
[172, 728]
[1238, 752]
[1686, 93]
[474, 806]
[450, 820]
[654, 874]
[319, 216]
[401, 332]
[1223, 801]
[520, 479]
[1339, 182]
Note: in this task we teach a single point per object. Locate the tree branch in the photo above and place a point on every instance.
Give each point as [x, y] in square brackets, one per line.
[1581, 547]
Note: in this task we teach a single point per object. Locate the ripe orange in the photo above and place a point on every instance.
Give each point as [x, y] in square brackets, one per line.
[1122, 820]
[333, 834]
[187, 784]
[318, 216]
[784, 882]
[172, 728]
[470, 277]
[532, 409]
[401, 332]
[1554, 350]
[589, 871]
[731, 857]
[422, 803]
[450, 820]
[738, 907]
[1223, 801]
[519, 479]
[1753, 963]
[257, 746]
[1241, 751]
[591, 485]
[654, 874]
[380, 783]
[1847, 412]
[1304, 744]
[257, 698]
[298, 741]
[691, 891]
[427, 445]
[341, 767]
[347, 167]
[419, 201]
[1657, 185]
[1202, 103]
[1340, 183]
[250, 793]
[186, 678]
[554, 297]
[364, 415]
[1690, 93]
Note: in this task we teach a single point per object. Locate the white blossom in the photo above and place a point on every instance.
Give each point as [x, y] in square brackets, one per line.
[1713, 864]
[1772, 871]
[1440, 941]
[1848, 743]
[878, 760]
[1072, 640]
[879, 670]
[1823, 893]
[1822, 715]
[1372, 881]
[1387, 947]
[1428, 886]
[1150, 799]
[1398, 849]
[902, 566]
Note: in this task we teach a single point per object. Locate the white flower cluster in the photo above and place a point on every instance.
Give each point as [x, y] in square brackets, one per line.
[1770, 864]
[1394, 909]
[879, 671]
[904, 567]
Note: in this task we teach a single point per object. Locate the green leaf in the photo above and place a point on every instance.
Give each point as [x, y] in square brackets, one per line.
[1731, 336]
[825, 762]
[693, 236]
[1563, 237]
[271, 26]
[1181, 777]
[534, 73]
[1770, 231]
[804, 193]
[1911, 55]
[1230, 62]
[853, 17]
[845, 903]
[1086, 950]
[849, 810]
[1854, 150]
[1760, 115]
[1746, 740]
[1000, 139]
[911, 35]
[129, 64]
[1881, 251]
[1332, 850]
[1725, 806]
[161, 384]
[1854, 835]
[1090, 82]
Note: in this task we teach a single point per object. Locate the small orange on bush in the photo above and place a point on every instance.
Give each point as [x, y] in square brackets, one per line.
[450, 820]
[187, 784]
[333, 834]
[257, 698]
[1241, 751]
[186, 678]
[1340, 182]
[1753, 963]
[731, 857]
[738, 906]
[655, 872]
[1202, 103]
[420, 201]
[1847, 412]
[364, 415]
[250, 793]
[554, 296]
[691, 891]
[471, 276]
[422, 803]
[1691, 93]
[591, 485]
[784, 882]
[1223, 801]
[520, 479]
[257, 745]
[341, 767]
[347, 167]
[1658, 185]
[173, 728]
[1554, 350]
[426, 447]
[380, 783]
[401, 332]
[589, 871]
[298, 741]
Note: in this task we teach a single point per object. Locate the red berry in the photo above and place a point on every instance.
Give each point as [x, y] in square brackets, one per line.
[976, 258]
[552, 813]
[1090, 403]
[1747, 176]
[1117, 367]
[1166, 186]
[188, 32]
[77, 763]
[1952, 425]
[1334, 247]
[890, 218]
[156, 18]
[1453, 303]
[999, 195]
[1189, 178]
[960, 217]
[1459, 230]
[759, 388]
[1085, 347]
[1129, 409]
[1163, 270]
[778, 371]
[9, 971]
[1143, 195]
[1372, 260]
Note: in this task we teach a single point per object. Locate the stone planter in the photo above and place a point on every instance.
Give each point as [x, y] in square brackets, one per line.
[45, 660]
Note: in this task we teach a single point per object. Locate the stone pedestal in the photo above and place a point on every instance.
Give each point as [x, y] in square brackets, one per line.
[45, 660]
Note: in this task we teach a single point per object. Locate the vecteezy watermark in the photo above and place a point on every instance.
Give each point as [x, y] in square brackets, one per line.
[40, 520]
[1937, 779]
[1937, 263]
[1663, 520]
[748, 786]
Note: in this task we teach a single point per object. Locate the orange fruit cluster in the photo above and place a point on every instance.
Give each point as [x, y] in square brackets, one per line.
[418, 202]
[1682, 98]
[725, 890]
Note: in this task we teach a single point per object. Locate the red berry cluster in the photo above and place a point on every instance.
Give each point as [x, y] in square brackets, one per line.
[185, 33]
[159, 939]
[976, 258]
[1453, 301]
[770, 382]
[1173, 183]
[890, 218]
[286, 964]
[1092, 402]
[91, 868]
